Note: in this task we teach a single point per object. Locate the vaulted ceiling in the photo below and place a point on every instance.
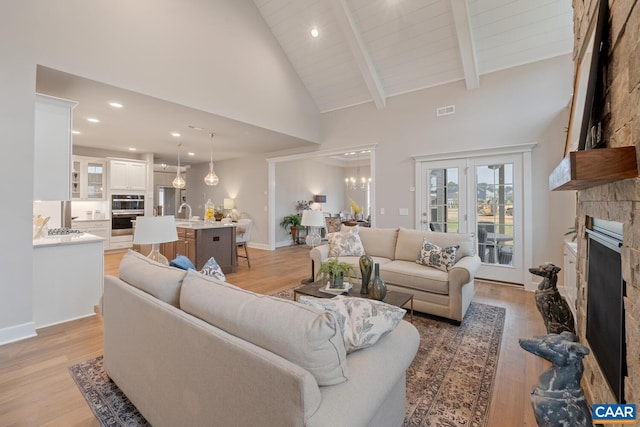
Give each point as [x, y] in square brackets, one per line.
[370, 50]
[366, 51]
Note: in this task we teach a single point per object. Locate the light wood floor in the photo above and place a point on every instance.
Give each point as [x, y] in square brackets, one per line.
[37, 390]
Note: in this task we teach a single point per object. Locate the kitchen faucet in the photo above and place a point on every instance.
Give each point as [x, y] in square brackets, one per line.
[180, 210]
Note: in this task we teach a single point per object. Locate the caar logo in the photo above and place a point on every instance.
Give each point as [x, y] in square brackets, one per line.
[609, 414]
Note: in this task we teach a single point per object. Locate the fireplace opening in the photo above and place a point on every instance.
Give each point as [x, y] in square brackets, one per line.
[605, 306]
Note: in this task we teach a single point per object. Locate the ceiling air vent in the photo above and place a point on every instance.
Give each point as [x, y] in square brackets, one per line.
[445, 111]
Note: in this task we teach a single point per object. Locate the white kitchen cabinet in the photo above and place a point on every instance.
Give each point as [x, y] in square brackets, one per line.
[52, 148]
[127, 175]
[121, 242]
[570, 290]
[68, 278]
[88, 178]
[101, 228]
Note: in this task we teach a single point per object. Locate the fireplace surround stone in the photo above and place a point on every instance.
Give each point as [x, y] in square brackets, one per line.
[618, 201]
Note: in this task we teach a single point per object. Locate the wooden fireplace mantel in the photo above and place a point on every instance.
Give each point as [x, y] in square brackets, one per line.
[589, 168]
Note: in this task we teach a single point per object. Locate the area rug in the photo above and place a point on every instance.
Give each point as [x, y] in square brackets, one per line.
[449, 382]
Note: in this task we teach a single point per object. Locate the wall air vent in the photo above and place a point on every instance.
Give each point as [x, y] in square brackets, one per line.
[445, 111]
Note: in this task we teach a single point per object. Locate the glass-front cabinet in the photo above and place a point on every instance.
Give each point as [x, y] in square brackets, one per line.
[88, 178]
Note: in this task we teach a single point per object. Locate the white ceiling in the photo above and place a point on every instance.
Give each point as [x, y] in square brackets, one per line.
[367, 51]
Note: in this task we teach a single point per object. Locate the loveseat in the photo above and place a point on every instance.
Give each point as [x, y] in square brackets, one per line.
[446, 293]
[188, 349]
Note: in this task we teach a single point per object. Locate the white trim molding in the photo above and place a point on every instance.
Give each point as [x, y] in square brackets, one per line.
[271, 173]
[476, 152]
[17, 333]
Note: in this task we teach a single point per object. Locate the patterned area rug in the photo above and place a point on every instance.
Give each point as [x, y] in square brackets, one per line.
[449, 382]
[109, 404]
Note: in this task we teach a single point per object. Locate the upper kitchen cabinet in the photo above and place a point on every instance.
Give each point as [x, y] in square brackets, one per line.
[127, 175]
[52, 148]
[88, 178]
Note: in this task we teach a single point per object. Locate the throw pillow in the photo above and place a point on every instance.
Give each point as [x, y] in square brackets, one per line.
[213, 269]
[434, 256]
[362, 321]
[182, 262]
[345, 243]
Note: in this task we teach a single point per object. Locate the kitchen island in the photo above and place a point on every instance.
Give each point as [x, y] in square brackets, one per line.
[200, 240]
[68, 274]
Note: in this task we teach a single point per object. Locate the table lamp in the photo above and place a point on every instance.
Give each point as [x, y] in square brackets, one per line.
[312, 219]
[228, 204]
[155, 230]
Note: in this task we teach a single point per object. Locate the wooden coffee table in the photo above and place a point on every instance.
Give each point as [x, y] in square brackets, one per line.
[393, 297]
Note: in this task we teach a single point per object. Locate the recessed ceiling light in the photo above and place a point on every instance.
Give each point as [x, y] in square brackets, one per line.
[314, 32]
[93, 120]
[133, 149]
[116, 105]
[176, 134]
[191, 154]
[75, 132]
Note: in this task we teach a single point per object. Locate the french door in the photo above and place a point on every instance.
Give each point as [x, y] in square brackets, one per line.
[481, 195]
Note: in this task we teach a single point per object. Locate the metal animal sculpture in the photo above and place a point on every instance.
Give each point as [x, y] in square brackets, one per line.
[552, 306]
[558, 399]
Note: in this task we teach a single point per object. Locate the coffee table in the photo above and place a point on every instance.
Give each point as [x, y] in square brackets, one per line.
[396, 298]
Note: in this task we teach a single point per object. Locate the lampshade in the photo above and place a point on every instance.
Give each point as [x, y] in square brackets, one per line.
[320, 198]
[228, 203]
[155, 229]
[312, 218]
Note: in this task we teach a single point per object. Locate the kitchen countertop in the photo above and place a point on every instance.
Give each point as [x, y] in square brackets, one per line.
[89, 219]
[200, 225]
[66, 240]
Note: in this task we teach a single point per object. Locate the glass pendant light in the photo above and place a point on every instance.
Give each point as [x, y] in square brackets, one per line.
[211, 178]
[178, 181]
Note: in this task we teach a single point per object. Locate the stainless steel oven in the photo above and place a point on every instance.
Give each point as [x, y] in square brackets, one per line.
[124, 209]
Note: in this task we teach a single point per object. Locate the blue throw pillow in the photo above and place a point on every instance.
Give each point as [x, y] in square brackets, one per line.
[213, 269]
[182, 262]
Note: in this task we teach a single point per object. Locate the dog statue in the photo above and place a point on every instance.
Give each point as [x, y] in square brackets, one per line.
[558, 399]
[552, 306]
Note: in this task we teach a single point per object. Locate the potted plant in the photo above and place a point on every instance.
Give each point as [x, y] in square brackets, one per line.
[291, 224]
[335, 271]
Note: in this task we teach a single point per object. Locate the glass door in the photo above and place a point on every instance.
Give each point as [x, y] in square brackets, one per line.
[443, 198]
[483, 196]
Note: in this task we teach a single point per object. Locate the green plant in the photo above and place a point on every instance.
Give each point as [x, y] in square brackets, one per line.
[572, 232]
[333, 267]
[290, 221]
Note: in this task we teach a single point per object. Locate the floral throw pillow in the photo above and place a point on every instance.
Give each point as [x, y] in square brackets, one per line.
[362, 321]
[213, 269]
[345, 243]
[434, 256]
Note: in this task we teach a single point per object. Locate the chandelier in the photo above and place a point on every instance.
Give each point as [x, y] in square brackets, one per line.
[357, 182]
[211, 178]
[178, 181]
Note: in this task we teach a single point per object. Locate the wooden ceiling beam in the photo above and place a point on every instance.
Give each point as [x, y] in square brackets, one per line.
[464, 32]
[360, 52]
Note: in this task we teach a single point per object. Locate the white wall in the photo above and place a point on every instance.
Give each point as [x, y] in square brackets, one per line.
[519, 105]
[301, 180]
[217, 56]
[17, 85]
[160, 48]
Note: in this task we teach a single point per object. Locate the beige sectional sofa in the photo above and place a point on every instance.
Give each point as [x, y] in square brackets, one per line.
[441, 293]
[188, 349]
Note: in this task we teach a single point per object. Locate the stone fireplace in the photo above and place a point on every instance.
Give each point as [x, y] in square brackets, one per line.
[619, 201]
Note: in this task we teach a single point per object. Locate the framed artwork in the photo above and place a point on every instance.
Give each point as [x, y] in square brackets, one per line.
[584, 84]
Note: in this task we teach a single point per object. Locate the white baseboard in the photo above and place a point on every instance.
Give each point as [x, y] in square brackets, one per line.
[17, 333]
[261, 246]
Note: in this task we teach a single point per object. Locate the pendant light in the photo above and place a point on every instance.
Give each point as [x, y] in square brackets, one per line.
[211, 178]
[178, 181]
